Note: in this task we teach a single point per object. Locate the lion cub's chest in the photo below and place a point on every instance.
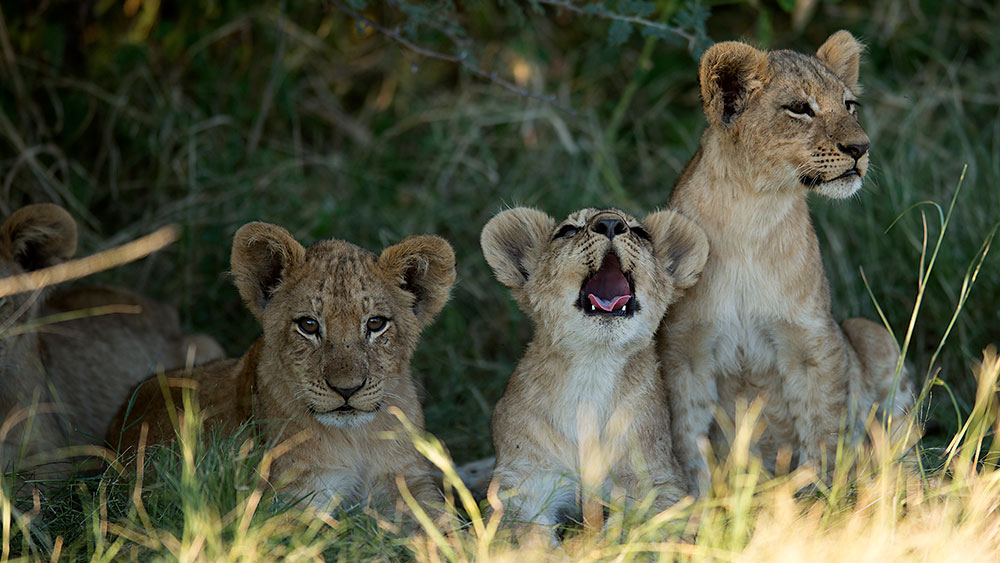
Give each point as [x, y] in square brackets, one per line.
[748, 305]
[585, 405]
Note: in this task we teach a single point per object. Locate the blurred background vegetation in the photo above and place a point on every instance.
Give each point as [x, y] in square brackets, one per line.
[370, 121]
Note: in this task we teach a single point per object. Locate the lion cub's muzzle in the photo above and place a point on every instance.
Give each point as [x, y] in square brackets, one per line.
[346, 404]
[608, 291]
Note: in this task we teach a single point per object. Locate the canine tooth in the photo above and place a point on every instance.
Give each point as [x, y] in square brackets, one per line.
[592, 308]
[623, 308]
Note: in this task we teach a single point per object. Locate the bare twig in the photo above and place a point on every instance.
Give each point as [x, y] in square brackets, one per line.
[635, 20]
[91, 264]
[462, 61]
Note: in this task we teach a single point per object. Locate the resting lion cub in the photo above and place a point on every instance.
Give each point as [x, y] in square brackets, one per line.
[781, 124]
[62, 365]
[586, 404]
[340, 325]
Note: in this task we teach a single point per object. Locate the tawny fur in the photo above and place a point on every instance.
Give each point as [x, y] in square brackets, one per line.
[780, 124]
[586, 408]
[289, 378]
[75, 372]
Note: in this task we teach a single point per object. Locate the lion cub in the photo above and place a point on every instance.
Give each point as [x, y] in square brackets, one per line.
[72, 372]
[781, 125]
[340, 325]
[586, 407]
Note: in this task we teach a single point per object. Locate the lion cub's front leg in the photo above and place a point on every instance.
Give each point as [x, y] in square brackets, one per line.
[816, 363]
[534, 502]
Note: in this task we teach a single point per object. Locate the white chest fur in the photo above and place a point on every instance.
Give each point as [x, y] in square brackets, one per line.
[587, 394]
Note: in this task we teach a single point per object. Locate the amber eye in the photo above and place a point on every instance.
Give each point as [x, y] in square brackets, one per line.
[376, 324]
[800, 108]
[308, 325]
[852, 106]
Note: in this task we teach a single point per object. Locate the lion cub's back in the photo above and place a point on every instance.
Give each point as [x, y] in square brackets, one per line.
[223, 397]
[95, 360]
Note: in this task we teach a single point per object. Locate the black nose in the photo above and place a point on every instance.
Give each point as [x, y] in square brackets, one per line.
[346, 392]
[610, 227]
[854, 151]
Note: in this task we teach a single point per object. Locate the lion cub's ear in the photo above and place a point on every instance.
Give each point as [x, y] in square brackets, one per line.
[842, 53]
[423, 265]
[262, 254]
[38, 236]
[681, 243]
[730, 74]
[511, 240]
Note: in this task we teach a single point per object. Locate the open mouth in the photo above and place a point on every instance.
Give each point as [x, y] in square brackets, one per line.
[608, 291]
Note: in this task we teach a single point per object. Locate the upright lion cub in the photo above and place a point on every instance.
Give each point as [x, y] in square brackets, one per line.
[586, 405]
[340, 325]
[781, 125]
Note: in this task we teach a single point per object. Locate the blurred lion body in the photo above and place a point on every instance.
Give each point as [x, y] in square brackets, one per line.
[340, 326]
[60, 370]
[758, 325]
[585, 409]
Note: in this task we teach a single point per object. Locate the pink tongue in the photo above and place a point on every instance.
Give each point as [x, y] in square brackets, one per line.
[608, 289]
[608, 306]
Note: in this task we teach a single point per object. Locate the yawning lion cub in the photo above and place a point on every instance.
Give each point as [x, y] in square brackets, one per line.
[340, 325]
[586, 406]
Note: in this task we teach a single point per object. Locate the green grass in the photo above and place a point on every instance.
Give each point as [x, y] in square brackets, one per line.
[228, 115]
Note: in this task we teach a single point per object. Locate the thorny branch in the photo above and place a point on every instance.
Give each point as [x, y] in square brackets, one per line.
[636, 20]
[459, 60]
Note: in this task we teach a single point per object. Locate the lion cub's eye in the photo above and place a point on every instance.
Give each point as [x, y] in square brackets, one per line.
[308, 325]
[641, 233]
[566, 231]
[852, 106]
[376, 324]
[800, 108]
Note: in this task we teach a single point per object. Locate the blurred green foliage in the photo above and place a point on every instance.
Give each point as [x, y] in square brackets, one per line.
[370, 121]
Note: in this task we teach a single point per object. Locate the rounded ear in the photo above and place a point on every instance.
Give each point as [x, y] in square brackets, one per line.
[681, 243]
[262, 254]
[423, 265]
[841, 52]
[38, 236]
[730, 74]
[511, 240]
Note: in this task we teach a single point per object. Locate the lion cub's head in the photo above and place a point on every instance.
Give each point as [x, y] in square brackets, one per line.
[340, 323]
[599, 277]
[793, 113]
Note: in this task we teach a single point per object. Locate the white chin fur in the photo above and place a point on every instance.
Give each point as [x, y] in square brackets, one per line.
[839, 189]
[345, 419]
